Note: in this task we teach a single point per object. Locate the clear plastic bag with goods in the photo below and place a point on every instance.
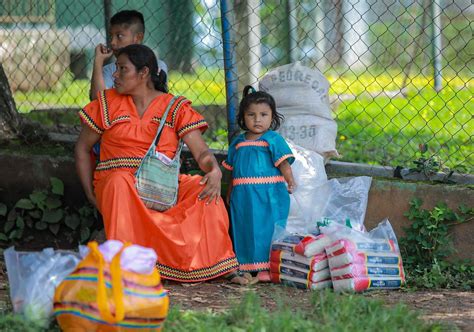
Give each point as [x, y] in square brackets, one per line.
[33, 277]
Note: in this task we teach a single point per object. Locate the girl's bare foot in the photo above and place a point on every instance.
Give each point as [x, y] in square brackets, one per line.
[263, 276]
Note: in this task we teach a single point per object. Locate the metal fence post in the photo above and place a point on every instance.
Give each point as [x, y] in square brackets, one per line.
[107, 16]
[292, 31]
[230, 68]
[436, 43]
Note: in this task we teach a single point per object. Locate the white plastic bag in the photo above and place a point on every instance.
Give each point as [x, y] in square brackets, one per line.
[309, 173]
[33, 277]
[340, 200]
[134, 258]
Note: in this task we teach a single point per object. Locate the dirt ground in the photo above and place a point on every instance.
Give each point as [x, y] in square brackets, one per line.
[453, 307]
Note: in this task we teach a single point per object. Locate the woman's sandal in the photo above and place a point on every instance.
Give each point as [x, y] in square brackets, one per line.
[241, 278]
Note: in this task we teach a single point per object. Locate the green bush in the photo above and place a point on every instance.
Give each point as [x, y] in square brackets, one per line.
[427, 245]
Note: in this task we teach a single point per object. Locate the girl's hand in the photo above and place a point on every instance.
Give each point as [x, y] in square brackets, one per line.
[212, 191]
[291, 187]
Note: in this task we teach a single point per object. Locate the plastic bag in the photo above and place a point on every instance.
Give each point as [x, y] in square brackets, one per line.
[309, 173]
[341, 200]
[100, 295]
[134, 258]
[33, 277]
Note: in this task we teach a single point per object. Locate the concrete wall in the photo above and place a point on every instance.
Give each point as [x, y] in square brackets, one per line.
[391, 199]
[387, 198]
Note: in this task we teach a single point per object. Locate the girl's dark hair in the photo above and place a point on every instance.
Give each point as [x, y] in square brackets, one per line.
[142, 56]
[251, 96]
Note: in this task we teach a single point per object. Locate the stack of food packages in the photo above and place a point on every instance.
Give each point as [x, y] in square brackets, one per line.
[300, 261]
[339, 256]
[360, 261]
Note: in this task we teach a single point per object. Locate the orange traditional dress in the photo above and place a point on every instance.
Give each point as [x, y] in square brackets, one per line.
[191, 239]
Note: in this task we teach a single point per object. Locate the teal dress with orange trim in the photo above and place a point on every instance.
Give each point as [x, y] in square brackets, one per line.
[259, 198]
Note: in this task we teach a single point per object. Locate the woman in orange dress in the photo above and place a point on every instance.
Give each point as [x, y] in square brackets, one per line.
[191, 238]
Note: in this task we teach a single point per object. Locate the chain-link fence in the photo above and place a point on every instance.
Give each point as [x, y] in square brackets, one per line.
[400, 72]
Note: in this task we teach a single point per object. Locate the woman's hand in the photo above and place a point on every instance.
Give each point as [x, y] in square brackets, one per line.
[91, 198]
[212, 190]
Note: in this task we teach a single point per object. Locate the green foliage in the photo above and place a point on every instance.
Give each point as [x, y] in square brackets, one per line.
[392, 43]
[16, 323]
[427, 244]
[43, 211]
[328, 312]
[442, 274]
[388, 131]
[430, 165]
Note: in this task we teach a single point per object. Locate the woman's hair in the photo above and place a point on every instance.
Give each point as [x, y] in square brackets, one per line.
[142, 56]
[251, 96]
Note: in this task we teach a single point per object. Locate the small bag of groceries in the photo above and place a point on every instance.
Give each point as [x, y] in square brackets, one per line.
[116, 287]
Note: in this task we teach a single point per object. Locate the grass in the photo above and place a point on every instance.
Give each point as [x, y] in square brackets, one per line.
[372, 127]
[327, 312]
[387, 131]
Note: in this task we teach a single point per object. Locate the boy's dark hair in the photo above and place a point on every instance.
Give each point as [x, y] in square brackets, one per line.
[250, 96]
[142, 56]
[129, 17]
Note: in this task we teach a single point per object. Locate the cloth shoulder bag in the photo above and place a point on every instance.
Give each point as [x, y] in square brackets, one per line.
[157, 175]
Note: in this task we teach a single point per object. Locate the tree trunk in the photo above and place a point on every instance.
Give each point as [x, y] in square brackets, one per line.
[10, 120]
[181, 34]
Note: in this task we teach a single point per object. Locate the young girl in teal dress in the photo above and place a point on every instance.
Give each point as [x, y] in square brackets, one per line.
[259, 160]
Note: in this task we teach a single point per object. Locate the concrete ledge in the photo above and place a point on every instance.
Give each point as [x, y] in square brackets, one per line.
[341, 167]
[21, 174]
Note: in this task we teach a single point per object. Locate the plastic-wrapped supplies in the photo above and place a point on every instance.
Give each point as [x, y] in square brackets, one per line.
[307, 245]
[300, 261]
[360, 261]
[293, 271]
[299, 282]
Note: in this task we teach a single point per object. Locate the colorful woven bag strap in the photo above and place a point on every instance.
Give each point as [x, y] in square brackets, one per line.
[117, 286]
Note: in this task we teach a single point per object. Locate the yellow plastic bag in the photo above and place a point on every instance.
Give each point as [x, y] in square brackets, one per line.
[99, 296]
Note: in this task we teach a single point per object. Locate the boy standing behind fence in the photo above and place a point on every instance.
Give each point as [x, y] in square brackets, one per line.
[126, 27]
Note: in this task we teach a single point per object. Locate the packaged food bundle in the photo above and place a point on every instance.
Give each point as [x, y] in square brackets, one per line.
[306, 245]
[369, 257]
[299, 282]
[293, 271]
[115, 287]
[352, 245]
[360, 284]
[315, 263]
[367, 270]
[361, 261]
